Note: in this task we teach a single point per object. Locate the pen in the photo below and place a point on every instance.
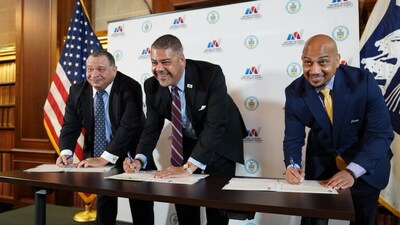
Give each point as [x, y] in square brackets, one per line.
[130, 157]
[68, 157]
[131, 160]
[292, 162]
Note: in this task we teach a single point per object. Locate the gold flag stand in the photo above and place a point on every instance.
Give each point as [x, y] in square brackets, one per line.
[88, 215]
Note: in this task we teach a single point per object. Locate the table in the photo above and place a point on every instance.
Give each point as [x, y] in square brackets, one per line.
[207, 192]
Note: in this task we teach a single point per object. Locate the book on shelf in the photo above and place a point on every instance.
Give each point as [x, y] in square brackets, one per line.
[1, 117]
[12, 95]
[5, 117]
[10, 119]
[1, 96]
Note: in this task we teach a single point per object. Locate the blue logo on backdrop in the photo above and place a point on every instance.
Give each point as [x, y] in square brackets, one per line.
[338, 4]
[117, 55]
[213, 17]
[340, 33]
[173, 219]
[251, 42]
[251, 103]
[146, 26]
[294, 70]
[293, 7]
[251, 166]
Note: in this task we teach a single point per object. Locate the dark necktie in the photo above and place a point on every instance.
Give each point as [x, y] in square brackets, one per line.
[176, 119]
[99, 125]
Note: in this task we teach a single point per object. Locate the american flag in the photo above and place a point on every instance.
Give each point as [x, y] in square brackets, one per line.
[71, 68]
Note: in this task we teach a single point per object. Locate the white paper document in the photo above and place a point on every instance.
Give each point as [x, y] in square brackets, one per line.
[279, 185]
[54, 168]
[148, 176]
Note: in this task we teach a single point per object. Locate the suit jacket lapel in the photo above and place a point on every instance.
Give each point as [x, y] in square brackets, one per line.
[190, 90]
[87, 97]
[166, 100]
[113, 102]
[341, 95]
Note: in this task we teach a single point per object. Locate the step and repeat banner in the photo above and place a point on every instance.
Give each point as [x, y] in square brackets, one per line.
[258, 44]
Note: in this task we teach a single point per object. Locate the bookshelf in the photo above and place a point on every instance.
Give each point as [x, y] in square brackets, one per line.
[7, 89]
[7, 116]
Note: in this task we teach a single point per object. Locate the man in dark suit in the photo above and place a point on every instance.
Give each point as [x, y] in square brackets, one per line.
[213, 129]
[124, 122]
[357, 136]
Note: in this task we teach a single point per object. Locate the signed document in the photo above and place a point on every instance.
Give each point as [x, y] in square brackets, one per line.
[54, 168]
[279, 185]
[149, 177]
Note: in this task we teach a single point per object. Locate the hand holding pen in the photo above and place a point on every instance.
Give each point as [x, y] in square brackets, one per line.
[62, 160]
[294, 174]
[131, 165]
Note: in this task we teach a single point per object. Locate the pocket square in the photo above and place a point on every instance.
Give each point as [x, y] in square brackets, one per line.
[202, 107]
[354, 121]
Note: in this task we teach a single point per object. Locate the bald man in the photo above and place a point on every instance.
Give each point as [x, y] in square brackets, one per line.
[348, 143]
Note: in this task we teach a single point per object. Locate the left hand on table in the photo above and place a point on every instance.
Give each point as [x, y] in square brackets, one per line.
[171, 172]
[341, 180]
[92, 162]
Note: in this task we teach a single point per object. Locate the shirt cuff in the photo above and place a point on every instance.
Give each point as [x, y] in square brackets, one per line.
[66, 152]
[143, 159]
[297, 167]
[357, 169]
[109, 157]
[197, 163]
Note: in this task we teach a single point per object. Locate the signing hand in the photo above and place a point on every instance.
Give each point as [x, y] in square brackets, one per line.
[64, 161]
[294, 176]
[132, 166]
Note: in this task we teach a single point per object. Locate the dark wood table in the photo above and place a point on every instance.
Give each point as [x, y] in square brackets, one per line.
[207, 192]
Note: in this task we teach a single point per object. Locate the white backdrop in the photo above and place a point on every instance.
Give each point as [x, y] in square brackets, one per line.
[258, 45]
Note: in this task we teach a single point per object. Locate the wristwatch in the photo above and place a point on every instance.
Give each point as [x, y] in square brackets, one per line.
[187, 168]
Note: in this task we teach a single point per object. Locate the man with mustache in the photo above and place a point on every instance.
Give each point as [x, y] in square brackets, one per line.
[123, 121]
[348, 143]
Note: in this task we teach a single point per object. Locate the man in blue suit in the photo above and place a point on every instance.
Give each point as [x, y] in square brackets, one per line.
[357, 135]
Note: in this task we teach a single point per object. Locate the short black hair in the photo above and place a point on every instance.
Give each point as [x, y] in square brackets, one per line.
[168, 41]
[103, 52]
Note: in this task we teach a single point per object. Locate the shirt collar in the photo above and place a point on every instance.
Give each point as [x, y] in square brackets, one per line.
[328, 85]
[108, 89]
[181, 82]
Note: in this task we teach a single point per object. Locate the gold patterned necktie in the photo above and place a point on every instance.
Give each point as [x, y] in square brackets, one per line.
[328, 102]
[340, 163]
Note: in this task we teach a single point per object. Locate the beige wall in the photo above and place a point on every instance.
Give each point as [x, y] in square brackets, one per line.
[103, 11]
[109, 10]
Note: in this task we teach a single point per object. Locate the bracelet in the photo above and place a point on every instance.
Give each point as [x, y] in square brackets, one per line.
[352, 174]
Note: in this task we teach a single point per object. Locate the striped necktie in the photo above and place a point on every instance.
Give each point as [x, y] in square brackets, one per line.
[176, 119]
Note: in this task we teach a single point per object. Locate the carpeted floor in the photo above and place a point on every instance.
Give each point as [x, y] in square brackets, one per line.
[55, 215]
